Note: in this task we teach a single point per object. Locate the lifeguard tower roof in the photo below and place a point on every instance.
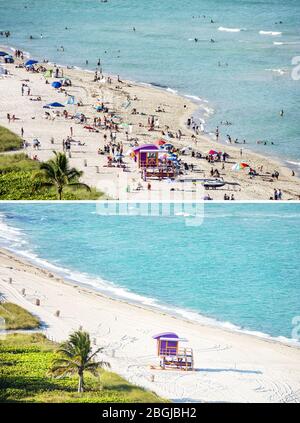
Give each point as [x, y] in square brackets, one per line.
[169, 336]
[166, 335]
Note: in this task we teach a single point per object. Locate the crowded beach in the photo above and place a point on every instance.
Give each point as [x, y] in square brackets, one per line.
[133, 141]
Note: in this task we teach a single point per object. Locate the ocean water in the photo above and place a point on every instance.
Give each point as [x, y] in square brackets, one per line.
[250, 92]
[240, 269]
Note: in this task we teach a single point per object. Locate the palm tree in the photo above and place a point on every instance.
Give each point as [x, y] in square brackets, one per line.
[76, 356]
[59, 174]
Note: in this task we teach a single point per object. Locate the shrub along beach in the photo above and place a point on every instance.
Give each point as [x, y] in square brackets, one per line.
[101, 123]
[36, 369]
[22, 178]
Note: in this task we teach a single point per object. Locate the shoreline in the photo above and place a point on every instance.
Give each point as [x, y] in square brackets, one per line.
[118, 293]
[152, 95]
[126, 330]
[200, 102]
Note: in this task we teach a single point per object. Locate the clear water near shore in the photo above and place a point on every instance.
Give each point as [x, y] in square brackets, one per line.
[249, 92]
[240, 269]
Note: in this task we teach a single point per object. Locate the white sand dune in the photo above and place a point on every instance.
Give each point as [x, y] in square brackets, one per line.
[230, 366]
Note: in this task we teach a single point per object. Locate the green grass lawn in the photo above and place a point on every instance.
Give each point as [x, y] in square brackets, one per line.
[24, 377]
[9, 141]
[17, 318]
[17, 182]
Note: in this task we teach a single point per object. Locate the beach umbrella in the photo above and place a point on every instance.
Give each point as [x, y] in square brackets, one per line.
[160, 142]
[31, 63]
[213, 153]
[240, 166]
[3, 54]
[56, 84]
[55, 104]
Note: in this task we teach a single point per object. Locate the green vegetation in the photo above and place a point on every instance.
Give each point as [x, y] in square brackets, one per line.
[9, 141]
[25, 377]
[59, 174]
[17, 318]
[76, 357]
[22, 179]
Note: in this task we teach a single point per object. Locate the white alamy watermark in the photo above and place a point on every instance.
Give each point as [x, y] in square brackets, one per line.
[165, 199]
[191, 212]
[296, 69]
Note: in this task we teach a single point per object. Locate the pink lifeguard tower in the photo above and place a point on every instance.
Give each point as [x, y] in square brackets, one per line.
[171, 355]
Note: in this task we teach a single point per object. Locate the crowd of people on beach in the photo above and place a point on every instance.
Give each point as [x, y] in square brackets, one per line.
[105, 119]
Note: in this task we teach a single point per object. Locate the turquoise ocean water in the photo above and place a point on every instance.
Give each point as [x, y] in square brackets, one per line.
[249, 92]
[240, 269]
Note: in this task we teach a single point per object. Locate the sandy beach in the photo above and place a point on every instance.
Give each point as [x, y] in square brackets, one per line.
[229, 366]
[123, 97]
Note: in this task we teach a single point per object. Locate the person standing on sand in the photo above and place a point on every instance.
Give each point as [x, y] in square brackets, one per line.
[8, 117]
[22, 132]
[71, 131]
[241, 152]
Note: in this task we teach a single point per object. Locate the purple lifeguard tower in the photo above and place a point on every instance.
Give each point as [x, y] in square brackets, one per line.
[171, 355]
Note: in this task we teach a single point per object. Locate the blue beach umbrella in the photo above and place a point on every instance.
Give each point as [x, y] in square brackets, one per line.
[55, 104]
[3, 53]
[56, 84]
[31, 63]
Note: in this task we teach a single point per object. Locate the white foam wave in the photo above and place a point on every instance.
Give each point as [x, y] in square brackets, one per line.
[278, 71]
[224, 29]
[196, 98]
[10, 235]
[286, 43]
[272, 33]
[170, 90]
[293, 163]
